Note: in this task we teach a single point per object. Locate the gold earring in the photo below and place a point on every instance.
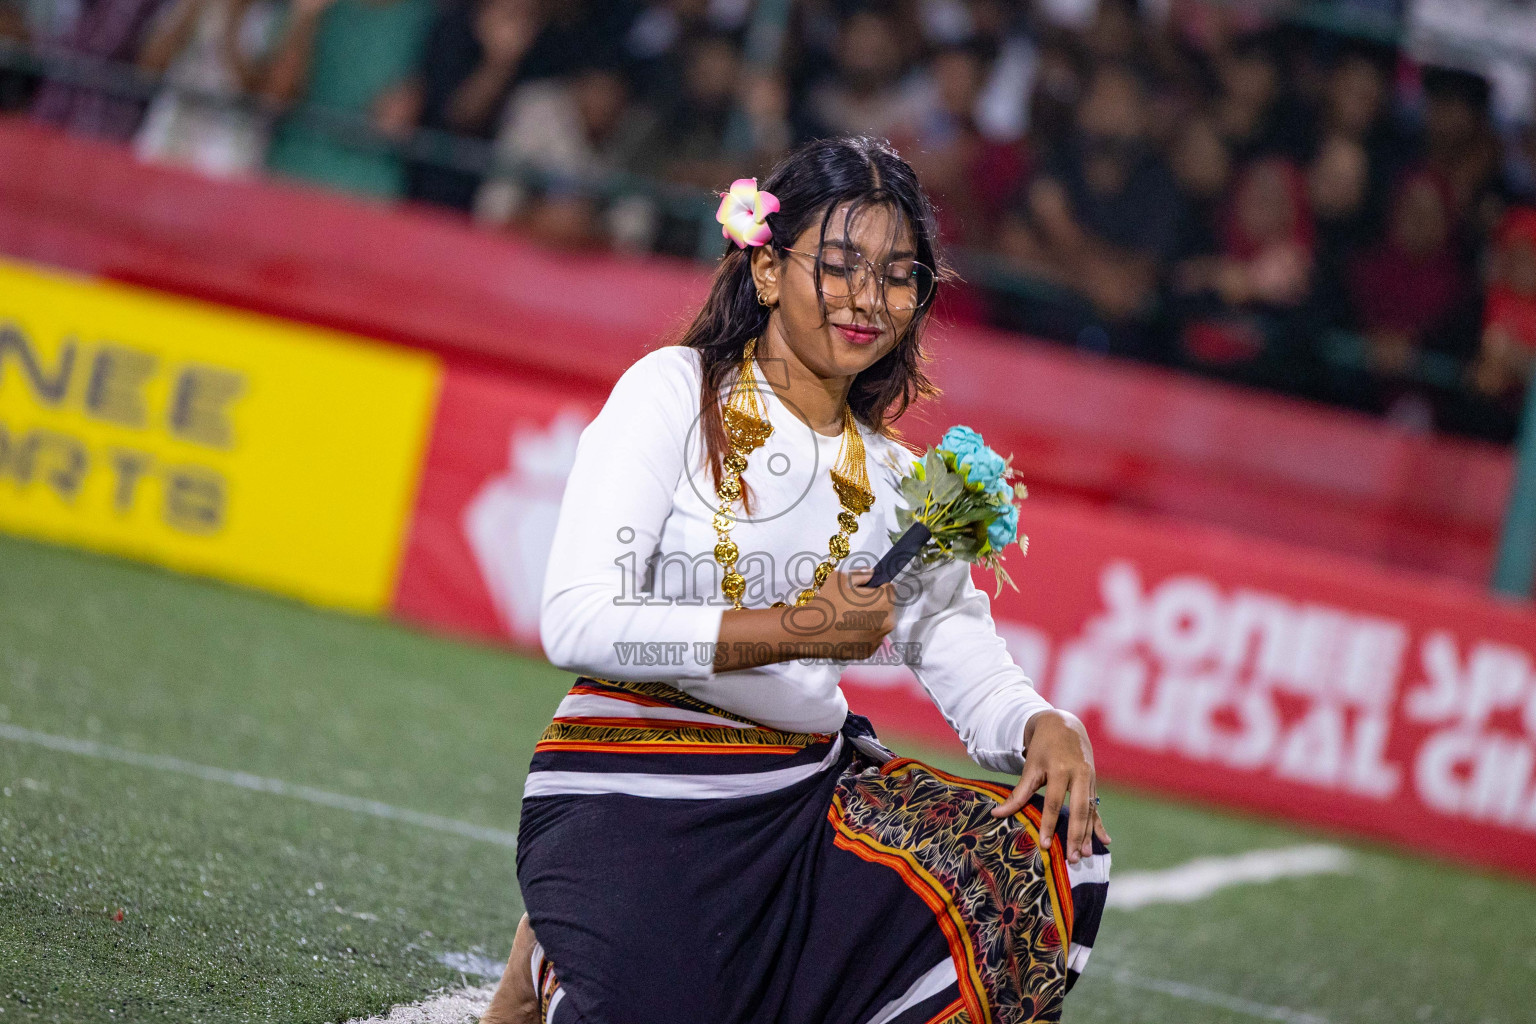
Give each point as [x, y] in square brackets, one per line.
[762, 301]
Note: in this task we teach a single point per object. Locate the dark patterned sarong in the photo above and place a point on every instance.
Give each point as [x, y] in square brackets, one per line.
[684, 865]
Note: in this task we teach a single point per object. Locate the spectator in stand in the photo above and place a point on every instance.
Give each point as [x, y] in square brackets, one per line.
[969, 175]
[477, 52]
[1268, 237]
[1002, 108]
[1507, 358]
[870, 92]
[212, 53]
[1059, 80]
[1202, 168]
[1099, 220]
[1251, 110]
[105, 30]
[572, 129]
[16, 87]
[1461, 146]
[689, 143]
[1339, 188]
[1260, 279]
[1407, 290]
[1355, 92]
[356, 59]
[655, 41]
[1355, 110]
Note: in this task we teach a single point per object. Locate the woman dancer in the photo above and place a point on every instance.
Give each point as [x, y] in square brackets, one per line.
[708, 835]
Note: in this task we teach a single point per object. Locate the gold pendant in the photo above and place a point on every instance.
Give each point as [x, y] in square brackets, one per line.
[745, 431]
[854, 498]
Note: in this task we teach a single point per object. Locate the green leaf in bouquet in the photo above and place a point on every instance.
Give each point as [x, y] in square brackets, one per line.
[914, 490]
[947, 488]
[966, 546]
[977, 513]
[934, 465]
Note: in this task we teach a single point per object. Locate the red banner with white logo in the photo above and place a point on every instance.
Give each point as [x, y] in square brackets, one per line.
[490, 492]
[1267, 677]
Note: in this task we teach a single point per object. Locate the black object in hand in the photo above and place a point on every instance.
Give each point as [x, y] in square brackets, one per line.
[906, 548]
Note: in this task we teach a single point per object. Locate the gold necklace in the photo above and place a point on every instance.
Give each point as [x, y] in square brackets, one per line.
[746, 428]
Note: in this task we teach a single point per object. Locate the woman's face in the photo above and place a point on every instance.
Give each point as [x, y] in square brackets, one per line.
[821, 345]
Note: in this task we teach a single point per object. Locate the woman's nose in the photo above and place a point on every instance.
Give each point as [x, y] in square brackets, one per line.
[868, 295]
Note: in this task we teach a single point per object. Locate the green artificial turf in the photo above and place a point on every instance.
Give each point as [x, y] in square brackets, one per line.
[242, 905]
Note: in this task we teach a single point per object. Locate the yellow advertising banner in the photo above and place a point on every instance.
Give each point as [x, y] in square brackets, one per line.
[208, 440]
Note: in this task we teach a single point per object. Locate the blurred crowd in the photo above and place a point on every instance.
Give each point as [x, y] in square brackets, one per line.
[1187, 182]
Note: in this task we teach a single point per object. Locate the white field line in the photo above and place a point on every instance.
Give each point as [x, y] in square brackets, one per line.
[257, 783]
[1203, 876]
[474, 964]
[1196, 994]
[460, 1006]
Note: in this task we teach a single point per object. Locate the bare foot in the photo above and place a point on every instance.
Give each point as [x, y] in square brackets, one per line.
[515, 1001]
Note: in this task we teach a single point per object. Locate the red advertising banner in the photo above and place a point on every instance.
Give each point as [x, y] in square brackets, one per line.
[1305, 684]
[490, 492]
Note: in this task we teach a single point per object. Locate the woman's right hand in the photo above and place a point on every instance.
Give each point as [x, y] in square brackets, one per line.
[849, 617]
[843, 621]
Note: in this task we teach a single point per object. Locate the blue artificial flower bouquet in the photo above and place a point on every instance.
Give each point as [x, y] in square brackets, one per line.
[961, 503]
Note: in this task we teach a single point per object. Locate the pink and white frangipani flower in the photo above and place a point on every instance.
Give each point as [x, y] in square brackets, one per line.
[743, 213]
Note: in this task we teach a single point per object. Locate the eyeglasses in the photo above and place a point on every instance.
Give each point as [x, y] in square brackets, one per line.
[905, 284]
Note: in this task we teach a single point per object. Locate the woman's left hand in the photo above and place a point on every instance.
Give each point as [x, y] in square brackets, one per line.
[1059, 756]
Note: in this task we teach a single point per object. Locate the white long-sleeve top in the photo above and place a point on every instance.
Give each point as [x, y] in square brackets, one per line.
[632, 590]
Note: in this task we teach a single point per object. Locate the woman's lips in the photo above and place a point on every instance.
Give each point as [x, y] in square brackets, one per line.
[858, 337]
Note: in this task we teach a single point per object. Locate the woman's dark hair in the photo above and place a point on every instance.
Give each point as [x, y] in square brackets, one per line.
[810, 183]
